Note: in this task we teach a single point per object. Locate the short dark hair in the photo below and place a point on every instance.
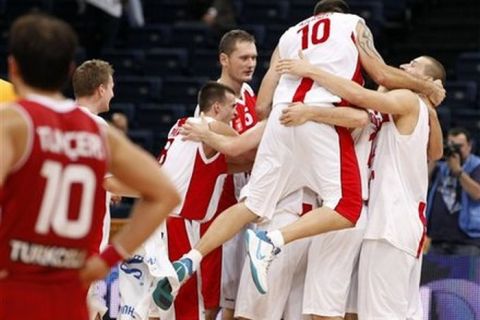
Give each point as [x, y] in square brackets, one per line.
[212, 92]
[435, 69]
[89, 76]
[229, 40]
[331, 6]
[458, 131]
[44, 50]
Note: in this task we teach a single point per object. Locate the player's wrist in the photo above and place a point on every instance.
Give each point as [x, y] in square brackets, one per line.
[113, 254]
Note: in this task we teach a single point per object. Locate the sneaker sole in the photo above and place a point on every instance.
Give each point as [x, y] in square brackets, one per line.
[253, 270]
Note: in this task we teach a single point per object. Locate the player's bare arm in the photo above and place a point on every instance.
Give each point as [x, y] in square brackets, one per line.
[267, 88]
[397, 102]
[388, 76]
[298, 113]
[435, 138]
[113, 185]
[232, 146]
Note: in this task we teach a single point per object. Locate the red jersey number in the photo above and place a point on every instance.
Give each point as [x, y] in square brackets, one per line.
[319, 33]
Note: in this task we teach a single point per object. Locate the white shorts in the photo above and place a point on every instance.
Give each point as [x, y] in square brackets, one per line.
[286, 273]
[138, 278]
[332, 257]
[317, 156]
[389, 282]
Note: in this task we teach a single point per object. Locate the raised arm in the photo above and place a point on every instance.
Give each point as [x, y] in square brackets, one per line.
[435, 138]
[297, 113]
[267, 88]
[397, 102]
[390, 77]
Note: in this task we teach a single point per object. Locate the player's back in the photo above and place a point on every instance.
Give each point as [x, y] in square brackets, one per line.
[327, 41]
[53, 200]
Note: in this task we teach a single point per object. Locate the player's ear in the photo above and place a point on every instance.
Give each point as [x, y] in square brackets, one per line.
[216, 107]
[223, 58]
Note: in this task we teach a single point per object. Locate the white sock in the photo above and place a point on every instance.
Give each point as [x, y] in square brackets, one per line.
[196, 258]
[276, 237]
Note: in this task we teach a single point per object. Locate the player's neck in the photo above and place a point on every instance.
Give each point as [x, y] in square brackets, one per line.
[88, 103]
[24, 90]
[235, 85]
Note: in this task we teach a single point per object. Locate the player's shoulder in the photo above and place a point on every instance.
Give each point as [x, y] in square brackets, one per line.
[246, 88]
[99, 120]
[10, 111]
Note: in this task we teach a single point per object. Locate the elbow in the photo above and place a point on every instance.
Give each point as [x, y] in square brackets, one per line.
[109, 186]
[380, 77]
[361, 120]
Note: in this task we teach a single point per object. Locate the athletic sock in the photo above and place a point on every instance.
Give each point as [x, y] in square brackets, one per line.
[196, 258]
[277, 238]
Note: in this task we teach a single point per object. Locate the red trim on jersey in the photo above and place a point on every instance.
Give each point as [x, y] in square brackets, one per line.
[201, 187]
[302, 89]
[186, 303]
[423, 219]
[350, 205]
[306, 208]
[1, 194]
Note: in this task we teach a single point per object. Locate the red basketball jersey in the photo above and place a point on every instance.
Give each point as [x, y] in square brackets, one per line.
[198, 179]
[53, 204]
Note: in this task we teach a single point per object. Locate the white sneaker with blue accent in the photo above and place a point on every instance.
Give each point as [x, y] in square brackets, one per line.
[261, 252]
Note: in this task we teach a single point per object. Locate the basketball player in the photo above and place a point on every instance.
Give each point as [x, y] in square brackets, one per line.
[238, 59]
[93, 89]
[317, 156]
[199, 173]
[396, 219]
[53, 160]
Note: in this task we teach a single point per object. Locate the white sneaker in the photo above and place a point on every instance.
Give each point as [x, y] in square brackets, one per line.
[261, 252]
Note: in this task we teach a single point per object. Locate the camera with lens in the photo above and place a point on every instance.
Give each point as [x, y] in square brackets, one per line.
[451, 149]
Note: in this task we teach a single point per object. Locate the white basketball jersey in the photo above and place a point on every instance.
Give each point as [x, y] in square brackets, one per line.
[198, 179]
[327, 41]
[108, 196]
[398, 188]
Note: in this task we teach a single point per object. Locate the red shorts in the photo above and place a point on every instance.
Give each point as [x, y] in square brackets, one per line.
[181, 235]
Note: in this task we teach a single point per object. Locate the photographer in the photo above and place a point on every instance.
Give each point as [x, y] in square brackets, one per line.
[453, 209]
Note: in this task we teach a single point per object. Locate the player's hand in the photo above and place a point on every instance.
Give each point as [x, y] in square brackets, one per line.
[299, 67]
[294, 115]
[195, 130]
[437, 92]
[95, 269]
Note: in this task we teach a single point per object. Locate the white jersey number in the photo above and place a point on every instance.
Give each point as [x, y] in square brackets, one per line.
[319, 33]
[54, 212]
